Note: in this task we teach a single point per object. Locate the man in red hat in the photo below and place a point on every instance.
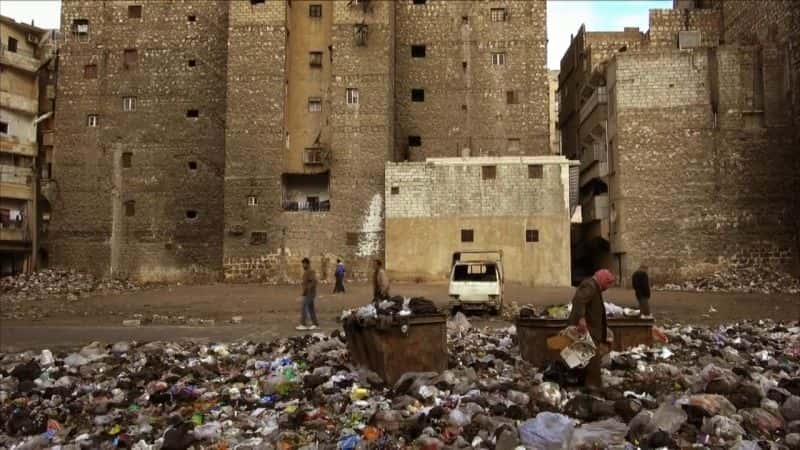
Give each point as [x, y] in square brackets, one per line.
[589, 315]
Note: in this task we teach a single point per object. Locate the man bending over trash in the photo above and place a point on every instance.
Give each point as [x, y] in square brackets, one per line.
[589, 314]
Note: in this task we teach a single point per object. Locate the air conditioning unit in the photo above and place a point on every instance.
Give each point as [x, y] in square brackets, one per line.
[32, 38]
[688, 39]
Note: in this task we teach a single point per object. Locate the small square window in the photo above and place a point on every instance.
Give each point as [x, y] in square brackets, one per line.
[130, 57]
[127, 159]
[135, 11]
[130, 208]
[420, 2]
[314, 104]
[512, 98]
[535, 171]
[3, 127]
[315, 59]
[488, 172]
[192, 165]
[395, 190]
[418, 51]
[314, 10]
[191, 214]
[91, 120]
[464, 65]
[258, 238]
[465, 19]
[498, 58]
[129, 103]
[414, 141]
[80, 29]
[192, 113]
[467, 235]
[90, 71]
[252, 200]
[418, 95]
[192, 63]
[12, 44]
[498, 14]
[531, 235]
[191, 18]
[352, 96]
[257, 2]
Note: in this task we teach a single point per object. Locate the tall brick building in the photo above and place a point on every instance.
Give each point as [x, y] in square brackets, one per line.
[198, 137]
[688, 141]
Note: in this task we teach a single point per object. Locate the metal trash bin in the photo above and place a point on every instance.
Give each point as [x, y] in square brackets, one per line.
[534, 332]
[389, 352]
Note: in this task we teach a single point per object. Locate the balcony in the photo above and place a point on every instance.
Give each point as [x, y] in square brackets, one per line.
[595, 208]
[598, 98]
[595, 171]
[20, 59]
[13, 231]
[10, 144]
[593, 154]
[19, 103]
[16, 182]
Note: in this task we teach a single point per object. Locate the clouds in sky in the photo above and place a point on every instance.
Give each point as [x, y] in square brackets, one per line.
[563, 17]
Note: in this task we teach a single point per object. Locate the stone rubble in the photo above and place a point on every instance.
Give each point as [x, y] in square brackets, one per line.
[744, 280]
[731, 386]
[67, 285]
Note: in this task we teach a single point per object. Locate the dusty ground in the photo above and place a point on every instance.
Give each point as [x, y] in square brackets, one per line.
[271, 311]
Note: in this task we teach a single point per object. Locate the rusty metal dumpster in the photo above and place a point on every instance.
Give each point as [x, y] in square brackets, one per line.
[390, 352]
[533, 334]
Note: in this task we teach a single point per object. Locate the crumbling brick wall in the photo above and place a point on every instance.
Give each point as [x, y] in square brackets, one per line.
[124, 188]
[694, 191]
[466, 104]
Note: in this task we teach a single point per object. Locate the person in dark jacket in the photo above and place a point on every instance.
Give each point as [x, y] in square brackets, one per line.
[339, 275]
[641, 285]
[589, 315]
[309, 295]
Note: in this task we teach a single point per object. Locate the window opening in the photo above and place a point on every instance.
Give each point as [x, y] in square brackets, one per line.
[489, 172]
[314, 104]
[315, 59]
[498, 14]
[90, 71]
[535, 171]
[252, 200]
[12, 44]
[3, 127]
[498, 58]
[192, 165]
[418, 51]
[192, 63]
[512, 98]
[191, 214]
[127, 159]
[306, 192]
[258, 238]
[352, 96]
[531, 235]
[130, 57]
[80, 29]
[414, 141]
[130, 208]
[418, 95]
[191, 18]
[192, 113]
[91, 120]
[467, 235]
[135, 11]
[395, 190]
[129, 103]
[315, 11]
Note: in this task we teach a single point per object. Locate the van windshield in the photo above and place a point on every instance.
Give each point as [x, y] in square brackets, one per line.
[475, 272]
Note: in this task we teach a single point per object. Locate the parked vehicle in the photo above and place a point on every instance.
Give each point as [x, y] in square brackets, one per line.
[476, 281]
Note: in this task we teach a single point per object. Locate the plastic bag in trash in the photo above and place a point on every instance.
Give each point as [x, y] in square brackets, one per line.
[669, 418]
[458, 323]
[603, 434]
[547, 431]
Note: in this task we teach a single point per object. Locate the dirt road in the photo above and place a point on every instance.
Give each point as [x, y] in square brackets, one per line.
[271, 311]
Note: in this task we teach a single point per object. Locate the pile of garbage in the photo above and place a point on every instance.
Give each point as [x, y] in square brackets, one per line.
[395, 309]
[56, 283]
[561, 312]
[751, 279]
[734, 386]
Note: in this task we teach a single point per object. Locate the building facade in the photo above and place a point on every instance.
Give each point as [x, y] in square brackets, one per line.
[207, 137]
[516, 205]
[27, 65]
[688, 148]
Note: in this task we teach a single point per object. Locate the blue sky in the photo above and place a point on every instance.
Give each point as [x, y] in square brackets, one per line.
[563, 17]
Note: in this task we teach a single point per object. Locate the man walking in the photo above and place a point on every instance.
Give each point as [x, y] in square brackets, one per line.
[380, 282]
[339, 275]
[641, 285]
[309, 295]
[589, 315]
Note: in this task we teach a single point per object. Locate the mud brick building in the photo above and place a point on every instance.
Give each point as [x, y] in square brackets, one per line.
[516, 205]
[237, 137]
[688, 141]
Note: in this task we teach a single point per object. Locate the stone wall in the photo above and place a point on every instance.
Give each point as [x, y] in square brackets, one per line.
[698, 183]
[154, 238]
[466, 104]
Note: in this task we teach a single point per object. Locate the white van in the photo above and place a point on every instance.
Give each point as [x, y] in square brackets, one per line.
[476, 281]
